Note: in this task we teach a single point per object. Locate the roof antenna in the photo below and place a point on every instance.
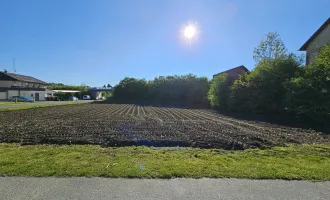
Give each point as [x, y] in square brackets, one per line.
[14, 65]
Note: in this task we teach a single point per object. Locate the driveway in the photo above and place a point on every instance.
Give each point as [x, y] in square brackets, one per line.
[193, 189]
[40, 103]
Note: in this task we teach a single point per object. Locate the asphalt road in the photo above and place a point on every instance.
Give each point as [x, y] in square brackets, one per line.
[178, 189]
[41, 103]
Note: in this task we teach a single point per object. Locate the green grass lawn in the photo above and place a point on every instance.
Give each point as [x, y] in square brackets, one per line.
[310, 162]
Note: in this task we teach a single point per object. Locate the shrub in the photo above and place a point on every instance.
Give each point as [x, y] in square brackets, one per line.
[263, 89]
[308, 96]
[219, 92]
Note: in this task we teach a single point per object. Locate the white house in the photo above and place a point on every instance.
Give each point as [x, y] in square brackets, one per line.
[20, 85]
[316, 41]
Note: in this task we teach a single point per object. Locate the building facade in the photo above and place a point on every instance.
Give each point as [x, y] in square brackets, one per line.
[20, 85]
[320, 38]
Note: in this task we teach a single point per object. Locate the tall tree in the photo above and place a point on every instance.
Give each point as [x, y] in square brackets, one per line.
[270, 47]
[109, 86]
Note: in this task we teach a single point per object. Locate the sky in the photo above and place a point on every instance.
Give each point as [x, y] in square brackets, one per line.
[96, 42]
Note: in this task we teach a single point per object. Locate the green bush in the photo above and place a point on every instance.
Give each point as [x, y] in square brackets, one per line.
[308, 96]
[263, 90]
[219, 92]
[240, 95]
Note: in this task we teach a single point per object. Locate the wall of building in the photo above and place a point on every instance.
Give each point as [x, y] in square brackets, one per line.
[314, 46]
[3, 95]
[42, 94]
[12, 93]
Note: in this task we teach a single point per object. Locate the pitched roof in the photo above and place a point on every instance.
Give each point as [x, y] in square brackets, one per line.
[304, 47]
[233, 69]
[24, 78]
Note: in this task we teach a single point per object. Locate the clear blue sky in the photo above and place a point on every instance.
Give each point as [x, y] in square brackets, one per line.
[101, 41]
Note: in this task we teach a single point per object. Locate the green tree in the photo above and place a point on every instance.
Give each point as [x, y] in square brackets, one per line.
[270, 47]
[263, 90]
[308, 96]
[240, 99]
[131, 90]
[219, 92]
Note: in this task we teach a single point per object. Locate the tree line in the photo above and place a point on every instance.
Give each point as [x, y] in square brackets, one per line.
[186, 90]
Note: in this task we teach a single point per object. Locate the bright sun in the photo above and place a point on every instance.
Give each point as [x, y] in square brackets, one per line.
[189, 31]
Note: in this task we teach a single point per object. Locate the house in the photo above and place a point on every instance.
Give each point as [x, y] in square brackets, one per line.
[20, 85]
[317, 40]
[234, 73]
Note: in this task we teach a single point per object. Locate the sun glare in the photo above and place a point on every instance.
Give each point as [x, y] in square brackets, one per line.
[189, 32]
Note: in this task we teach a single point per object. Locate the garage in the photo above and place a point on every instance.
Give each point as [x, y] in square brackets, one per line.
[3, 95]
[12, 93]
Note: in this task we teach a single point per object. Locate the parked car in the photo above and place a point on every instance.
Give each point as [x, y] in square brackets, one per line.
[52, 98]
[86, 97]
[20, 99]
[73, 98]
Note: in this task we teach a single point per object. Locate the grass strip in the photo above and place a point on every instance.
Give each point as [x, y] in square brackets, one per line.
[303, 162]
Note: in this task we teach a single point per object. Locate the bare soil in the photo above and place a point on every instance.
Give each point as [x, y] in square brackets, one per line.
[128, 124]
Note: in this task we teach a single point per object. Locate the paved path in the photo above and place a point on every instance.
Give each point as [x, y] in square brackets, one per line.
[41, 103]
[178, 189]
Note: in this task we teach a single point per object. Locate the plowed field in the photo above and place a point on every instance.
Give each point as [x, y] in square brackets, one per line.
[128, 124]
